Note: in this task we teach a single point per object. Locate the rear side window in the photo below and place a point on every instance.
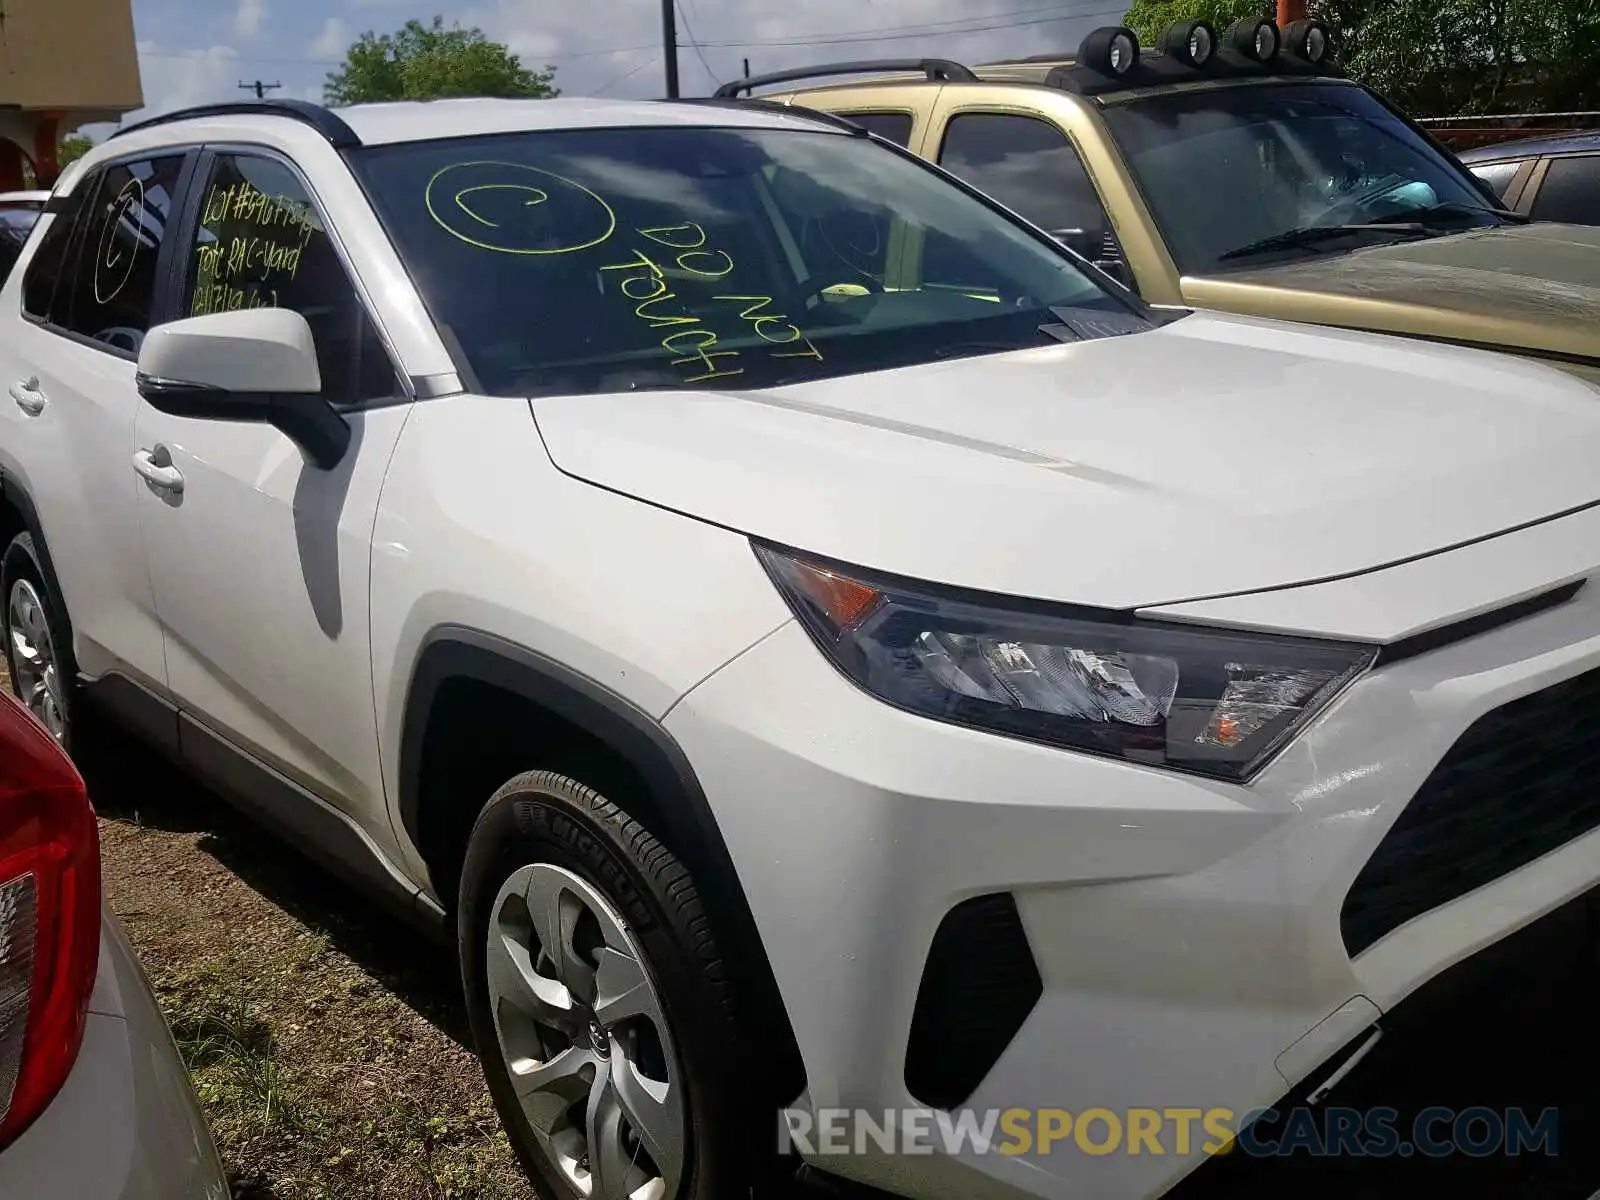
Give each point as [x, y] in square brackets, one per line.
[49, 261]
[15, 225]
[1571, 191]
[890, 126]
[112, 284]
[1498, 175]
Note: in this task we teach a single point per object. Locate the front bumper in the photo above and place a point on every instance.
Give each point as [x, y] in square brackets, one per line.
[1186, 933]
[126, 1124]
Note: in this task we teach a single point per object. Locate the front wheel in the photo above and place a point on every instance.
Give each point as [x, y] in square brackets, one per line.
[598, 1000]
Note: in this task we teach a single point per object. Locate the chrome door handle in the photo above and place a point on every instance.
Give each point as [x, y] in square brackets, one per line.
[28, 396]
[155, 467]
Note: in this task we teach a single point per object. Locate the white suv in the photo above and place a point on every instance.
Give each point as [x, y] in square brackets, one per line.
[812, 641]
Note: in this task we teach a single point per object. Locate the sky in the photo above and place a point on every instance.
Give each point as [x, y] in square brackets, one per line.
[197, 51]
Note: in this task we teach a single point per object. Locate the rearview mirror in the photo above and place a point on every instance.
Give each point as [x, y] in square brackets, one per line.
[257, 364]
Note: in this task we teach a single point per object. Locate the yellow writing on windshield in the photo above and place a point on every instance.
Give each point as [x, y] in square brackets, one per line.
[512, 208]
[689, 338]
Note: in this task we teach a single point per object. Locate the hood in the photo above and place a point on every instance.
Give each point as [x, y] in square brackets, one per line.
[1215, 455]
[1526, 287]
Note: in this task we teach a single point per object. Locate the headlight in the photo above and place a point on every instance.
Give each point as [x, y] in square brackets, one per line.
[1211, 701]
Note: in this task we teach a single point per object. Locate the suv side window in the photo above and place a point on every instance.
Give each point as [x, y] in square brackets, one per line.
[890, 126]
[261, 242]
[1570, 191]
[39, 282]
[109, 290]
[1026, 164]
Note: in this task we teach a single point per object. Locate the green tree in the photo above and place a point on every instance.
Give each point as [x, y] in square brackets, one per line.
[73, 147]
[430, 62]
[1439, 57]
[1148, 18]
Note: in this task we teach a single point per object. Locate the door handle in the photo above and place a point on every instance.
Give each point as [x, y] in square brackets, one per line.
[28, 396]
[155, 467]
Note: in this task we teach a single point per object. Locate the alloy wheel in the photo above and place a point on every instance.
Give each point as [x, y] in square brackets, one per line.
[584, 1037]
[35, 675]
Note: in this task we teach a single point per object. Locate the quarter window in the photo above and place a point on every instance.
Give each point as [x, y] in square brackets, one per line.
[262, 243]
[109, 292]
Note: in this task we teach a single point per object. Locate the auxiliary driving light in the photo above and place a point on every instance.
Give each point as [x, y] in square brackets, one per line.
[1190, 42]
[1307, 40]
[1111, 50]
[1255, 39]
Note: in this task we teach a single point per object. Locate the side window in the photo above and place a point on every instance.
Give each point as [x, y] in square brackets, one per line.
[109, 292]
[1498, 175]
[1570, 191]
[261, 243]
[49, 261]
[1026, 164]
[891, 126]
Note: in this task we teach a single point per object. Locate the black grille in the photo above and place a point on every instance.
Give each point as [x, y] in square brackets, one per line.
[1521, 782]
[978, 987]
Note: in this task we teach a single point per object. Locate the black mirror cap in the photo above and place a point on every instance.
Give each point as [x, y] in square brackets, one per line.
[309, 421]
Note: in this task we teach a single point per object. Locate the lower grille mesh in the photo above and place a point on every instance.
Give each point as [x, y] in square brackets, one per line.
[1522, 781]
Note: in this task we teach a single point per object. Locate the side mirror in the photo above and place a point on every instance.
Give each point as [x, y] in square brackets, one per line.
[256, 364]
[1091, 244]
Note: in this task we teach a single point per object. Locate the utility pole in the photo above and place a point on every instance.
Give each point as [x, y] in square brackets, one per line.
[259, 88]
[747, 68]
[1291, 10]
[669, 45]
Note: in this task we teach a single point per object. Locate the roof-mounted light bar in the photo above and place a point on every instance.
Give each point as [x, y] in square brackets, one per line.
[1109, 57]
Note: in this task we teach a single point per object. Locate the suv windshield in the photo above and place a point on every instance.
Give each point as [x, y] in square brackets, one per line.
[1227, 169]
[601, 260]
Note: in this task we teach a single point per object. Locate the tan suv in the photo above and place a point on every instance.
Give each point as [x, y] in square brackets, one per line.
[1237, 171]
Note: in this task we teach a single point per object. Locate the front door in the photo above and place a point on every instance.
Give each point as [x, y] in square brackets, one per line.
[260, 559]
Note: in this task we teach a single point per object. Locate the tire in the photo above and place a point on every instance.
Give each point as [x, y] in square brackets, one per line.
[548, 853]
[36, 622]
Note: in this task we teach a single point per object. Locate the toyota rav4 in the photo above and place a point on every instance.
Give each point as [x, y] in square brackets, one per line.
[811, 641]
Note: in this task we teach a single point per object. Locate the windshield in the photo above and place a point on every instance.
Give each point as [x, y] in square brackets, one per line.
[600, 260]
[1227, 168]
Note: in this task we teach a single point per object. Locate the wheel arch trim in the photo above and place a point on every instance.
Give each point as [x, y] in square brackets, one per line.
[457, 652]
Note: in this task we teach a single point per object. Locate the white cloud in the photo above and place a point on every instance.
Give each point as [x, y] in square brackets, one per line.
[248, 18]
[622, 56]
[332, 42]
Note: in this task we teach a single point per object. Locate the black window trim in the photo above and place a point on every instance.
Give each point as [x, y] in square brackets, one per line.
[176, 282]
[91, 179]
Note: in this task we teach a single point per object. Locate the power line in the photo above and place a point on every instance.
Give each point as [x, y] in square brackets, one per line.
[699, 53]
[629, 74]
[908, 32]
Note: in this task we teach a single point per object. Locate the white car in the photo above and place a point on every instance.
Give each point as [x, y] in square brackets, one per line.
[811, 641]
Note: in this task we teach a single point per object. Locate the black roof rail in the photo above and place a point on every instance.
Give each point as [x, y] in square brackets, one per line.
[774, 106]
[937, 70]
[325, 121]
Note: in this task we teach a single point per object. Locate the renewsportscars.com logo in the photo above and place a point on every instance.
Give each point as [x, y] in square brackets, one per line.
[1262, 1132]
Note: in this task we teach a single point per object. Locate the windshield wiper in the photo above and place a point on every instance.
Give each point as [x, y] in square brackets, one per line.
[1311, 236]
[1458, 208]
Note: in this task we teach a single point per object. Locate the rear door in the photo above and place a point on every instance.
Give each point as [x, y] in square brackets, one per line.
[74, 320]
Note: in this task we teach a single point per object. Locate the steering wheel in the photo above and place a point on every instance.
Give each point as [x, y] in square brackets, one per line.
[1358, 204]
[815, 288]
